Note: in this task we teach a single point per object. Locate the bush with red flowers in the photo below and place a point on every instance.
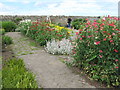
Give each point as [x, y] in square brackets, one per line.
[42, 31]
[97, 50]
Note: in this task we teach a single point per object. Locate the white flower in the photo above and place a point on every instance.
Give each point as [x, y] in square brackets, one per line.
[59, 47]
[96, 37]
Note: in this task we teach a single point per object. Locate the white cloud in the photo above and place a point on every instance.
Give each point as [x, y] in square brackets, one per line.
[21, 1]
[6, 10]
[38, 3]
[66, 7]
[1, 5]
[73, 7]
[25, 1]
[11, 0]
[113, 1]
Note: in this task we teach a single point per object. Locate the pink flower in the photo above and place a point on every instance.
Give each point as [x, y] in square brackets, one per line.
[96, 43]
[100, 51]
[89, 36]
[96, 31]
[104, 39]
[111, 40]
[95, 23]
[116, 67]
[104, 31]
[100, 56]
[102, 24]
[113, 33]
[115, 50]
[83, 36]
[116, 60]
[111, 24]
[80, 38]
[77, 33]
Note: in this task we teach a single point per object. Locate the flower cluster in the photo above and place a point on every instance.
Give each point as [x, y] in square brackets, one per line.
[97, 49]
[43, 31]
[59, 47]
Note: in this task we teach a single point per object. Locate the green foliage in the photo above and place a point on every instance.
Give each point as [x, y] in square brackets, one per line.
[43, 31]
[2, 31]
[78, 23]
[17, 20]
[6, 40]
[9, 26]
[97, 50]
[15, 75]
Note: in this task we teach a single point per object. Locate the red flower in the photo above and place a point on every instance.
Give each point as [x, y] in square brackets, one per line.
[104, 39]
[96, 43]
[115, 50]
[104, 31]
[60, 35]
[116, 67]
[111, 40]
[95, 23]
[108, 33]
[100, 56]
[80, 38]
[80, 30]
[100, 51]
[116, 60]
[74, 52]
[89, 36]
[102, 24]
[77, 33]
[111, 24]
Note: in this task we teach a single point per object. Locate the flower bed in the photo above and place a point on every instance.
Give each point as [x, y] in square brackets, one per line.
[43, 31]
[97, 50]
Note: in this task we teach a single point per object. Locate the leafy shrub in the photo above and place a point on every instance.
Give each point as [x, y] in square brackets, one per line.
[78, 23]
[15, 75]
[43, 31]
[17, 20]
[59, 47]
[97, 50]
[24, 26]
[2, 31]
[6, 40]
[9, 26]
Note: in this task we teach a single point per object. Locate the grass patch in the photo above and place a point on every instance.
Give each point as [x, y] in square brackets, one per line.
[15, 75]
[32, 44]
[0, 79]
[24, 53]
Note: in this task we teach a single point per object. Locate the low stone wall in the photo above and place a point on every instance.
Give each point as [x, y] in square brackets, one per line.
[54, 19]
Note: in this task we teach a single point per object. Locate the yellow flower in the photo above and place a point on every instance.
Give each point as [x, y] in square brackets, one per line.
[69, 32]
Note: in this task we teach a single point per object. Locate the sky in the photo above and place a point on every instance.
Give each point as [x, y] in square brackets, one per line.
[59, 7]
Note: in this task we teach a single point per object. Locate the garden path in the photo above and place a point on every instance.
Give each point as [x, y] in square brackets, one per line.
[49, 70]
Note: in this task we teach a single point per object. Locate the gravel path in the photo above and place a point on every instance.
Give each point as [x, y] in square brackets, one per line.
[49, 70]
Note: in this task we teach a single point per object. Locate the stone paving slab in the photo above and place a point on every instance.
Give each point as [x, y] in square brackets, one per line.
[49, 70]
